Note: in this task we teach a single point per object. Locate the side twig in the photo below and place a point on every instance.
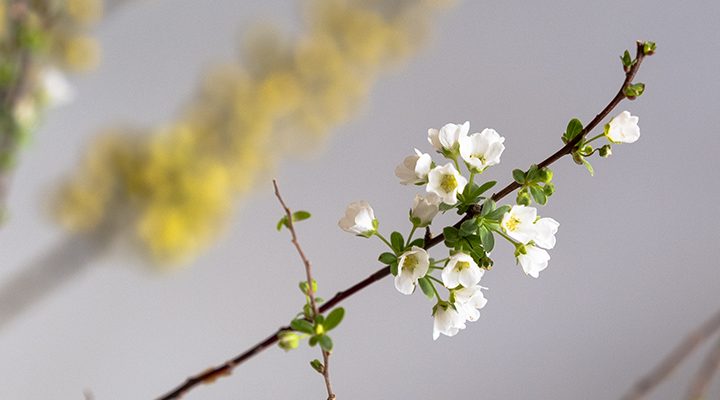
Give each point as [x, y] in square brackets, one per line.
[709, 368]
[310, 290]
[224, 369]
[645, 385]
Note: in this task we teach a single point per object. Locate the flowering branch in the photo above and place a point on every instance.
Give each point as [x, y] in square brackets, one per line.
[645, 385]
[310, 286]
[575, 144]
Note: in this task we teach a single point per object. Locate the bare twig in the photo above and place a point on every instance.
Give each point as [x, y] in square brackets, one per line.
[310, 290]
[381, 273]
[645, 385]
[709, 368]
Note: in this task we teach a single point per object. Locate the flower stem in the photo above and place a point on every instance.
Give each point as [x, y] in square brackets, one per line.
[410, 236]
[381, 237]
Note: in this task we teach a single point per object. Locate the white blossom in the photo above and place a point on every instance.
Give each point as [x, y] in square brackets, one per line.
[482, 150]
[414, 168]
[461, 269]
[534, 260]
[412, 265]
[469, 301]
[448, 320]
[446, 182]
[56, 88]
[359, 219]
[519, 223]
[623, 128]
[545, 230]
[448, 137]
[424, 209]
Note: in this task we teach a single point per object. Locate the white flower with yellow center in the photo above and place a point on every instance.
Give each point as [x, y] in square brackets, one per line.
[534, 260]
[412, 265]
[623, 128]
[447, 139]
[359, 219]
[469, 301]
[424, 209]
[461, 269]
[446, 182]
[482, 150]
[414, 168]
[448, 320]
[519, 223]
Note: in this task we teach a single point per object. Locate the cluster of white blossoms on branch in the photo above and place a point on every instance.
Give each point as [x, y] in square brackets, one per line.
[470, 241]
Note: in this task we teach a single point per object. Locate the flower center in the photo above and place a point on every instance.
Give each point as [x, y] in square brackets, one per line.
[480, 157]
[461, 265]
[409, 263]
[513, 223]
[448, 183]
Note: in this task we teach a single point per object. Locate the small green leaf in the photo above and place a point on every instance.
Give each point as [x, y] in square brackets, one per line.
[573, 129]
[498, 213]
[325, 343]
[486, 186]
[445, 207]
[317, 366]
[588, 166]
[538, 194]
[626, 59]
[487, 239]
[451, 233]
[387, 258]
[281, 223]
[334, 318]
[519, 176]
[419, 242]
[468, 227]
[487, 207]
[394, 268]
[426, 287]
[397, 241]
[300, 215]
[532, 174]
[302, 325]
[313, 340]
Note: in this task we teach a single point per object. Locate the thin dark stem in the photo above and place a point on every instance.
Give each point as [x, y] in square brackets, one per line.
[381, 273]
[310, 290]
[645, 385]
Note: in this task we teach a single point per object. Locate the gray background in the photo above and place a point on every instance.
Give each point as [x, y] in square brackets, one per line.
[635, 267]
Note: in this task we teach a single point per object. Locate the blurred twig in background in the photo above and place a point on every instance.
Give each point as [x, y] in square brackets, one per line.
[704, 332]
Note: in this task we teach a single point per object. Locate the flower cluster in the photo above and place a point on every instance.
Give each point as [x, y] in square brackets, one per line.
[470, 241]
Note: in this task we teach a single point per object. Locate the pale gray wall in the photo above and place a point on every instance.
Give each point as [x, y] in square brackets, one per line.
[634, 269]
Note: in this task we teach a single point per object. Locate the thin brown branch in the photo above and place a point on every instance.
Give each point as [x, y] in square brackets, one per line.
[709, 368]
[385, 271]
[310, 289]
[645, 385]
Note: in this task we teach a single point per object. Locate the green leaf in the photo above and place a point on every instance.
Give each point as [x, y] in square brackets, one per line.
[419, 242]
[538, 194]
[573, 129]
[519, 176]
[626, 59]
[426, 287]
[451, 233]
[281, 223]
[397, 241]
[486, 186]
[394, 268]
[303, 326]
[487, 239]
[325, 342]
[300, 215]
[317, 365]
[532, 174]
[334, 318]
[498, 213]
[487, 207]
[313, 340]
[588, 166]
[468, 227]
[445, 207]
[387, 258]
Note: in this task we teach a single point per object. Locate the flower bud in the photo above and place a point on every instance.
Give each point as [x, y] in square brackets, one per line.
[605, 151]
[523, 198]
[288, 340]
[545, 175]
[424, 209]
[549, 189]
